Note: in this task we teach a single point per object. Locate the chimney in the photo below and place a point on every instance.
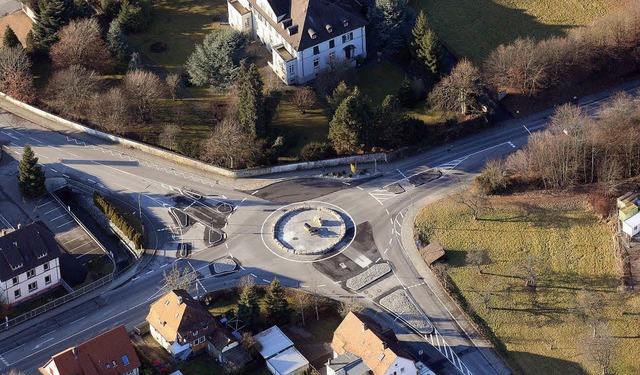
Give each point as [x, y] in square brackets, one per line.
[364, 327]
[384, 345]
[179, 300]
[75, 353]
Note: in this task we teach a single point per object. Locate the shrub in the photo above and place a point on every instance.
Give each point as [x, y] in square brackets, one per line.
[494, 178]
[134, 17]
[602, 206]
[316, 151]
[118, 219]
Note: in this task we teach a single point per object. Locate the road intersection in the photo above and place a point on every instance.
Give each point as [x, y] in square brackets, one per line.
[383, 222]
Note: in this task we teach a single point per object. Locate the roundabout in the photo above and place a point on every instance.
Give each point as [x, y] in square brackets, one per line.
[308, 231]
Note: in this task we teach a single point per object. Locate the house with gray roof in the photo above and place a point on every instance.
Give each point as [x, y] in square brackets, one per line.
[303, 36]
[29, 263]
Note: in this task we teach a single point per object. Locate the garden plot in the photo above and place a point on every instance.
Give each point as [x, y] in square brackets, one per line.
[403, 306]
[370, 275]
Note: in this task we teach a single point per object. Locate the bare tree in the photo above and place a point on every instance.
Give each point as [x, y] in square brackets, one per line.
[474, 200]
[599, 348]
[590, 305]
[302, 300]
[478, 257]
[174, 84]
[520, 65]
[69, 91]
[250, 344]
[169, 135]
[109, 111]
[442, 272]
[80, 43]
[144, 89]
[14, 372]
[15, 74]
[304, 98]
[489, 292]
[246, 281]
[178, 278]
[462, 91]
[350, 305]
[231, 146]
[530, 269]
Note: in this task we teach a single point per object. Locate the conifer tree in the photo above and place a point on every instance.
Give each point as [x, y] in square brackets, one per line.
[350, 128]
[10, 38]
[30, 175]
[117, 42]
[277, 305]
[426, 47]
[250, 100]
[248, 308]
[53, 15]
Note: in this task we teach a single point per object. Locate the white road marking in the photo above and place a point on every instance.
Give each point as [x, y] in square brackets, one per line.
[321, 285]
[48, 212]
[385, 250]
[255, 192]
[53, 170]
[62, 225]
[346, 183]
[511, 144]
[243, 199]
[377, 260]
[359, 188]
[253, 275]
[148, 272]
[387, 211]
[226, 245]
[36, 140]
[63, 215]
[77, 320]
[266, 281]
[71, 240]
[4, 361]
[336, 282]
[42, 343]
[64, 175]
[305, 286]
[90, 180]
[44, 204]
[164, 265]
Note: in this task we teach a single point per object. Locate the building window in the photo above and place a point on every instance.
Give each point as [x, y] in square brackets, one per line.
[33, 286]
[332, 56]
[347, 37]
[246, 23]
[47, 280]
[125, 360]
[46, 266]
[31, 273]
[15, 280]
[292, 69]
[16, 293]
[316, 50]
[316, 62]
[332, 43]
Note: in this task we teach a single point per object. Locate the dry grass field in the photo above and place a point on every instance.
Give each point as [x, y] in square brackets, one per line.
[541, 330]
[473, 28]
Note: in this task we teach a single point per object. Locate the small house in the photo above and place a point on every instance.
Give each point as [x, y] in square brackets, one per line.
[281, 356]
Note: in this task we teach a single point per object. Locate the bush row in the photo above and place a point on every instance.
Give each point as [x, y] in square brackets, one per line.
[118, 219]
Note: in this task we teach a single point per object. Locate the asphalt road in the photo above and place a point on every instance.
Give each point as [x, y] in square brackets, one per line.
[150, 182]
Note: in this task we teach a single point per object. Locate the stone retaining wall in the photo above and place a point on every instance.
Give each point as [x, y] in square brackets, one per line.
[367, 158]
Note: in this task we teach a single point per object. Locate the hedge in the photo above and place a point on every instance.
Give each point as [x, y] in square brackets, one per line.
[118, 219]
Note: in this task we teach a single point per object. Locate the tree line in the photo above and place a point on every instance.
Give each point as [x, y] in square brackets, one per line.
[118, 219]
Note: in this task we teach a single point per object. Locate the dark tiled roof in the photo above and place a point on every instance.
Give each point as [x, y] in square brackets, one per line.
[97, 356]
[26, 248]
[309, 17]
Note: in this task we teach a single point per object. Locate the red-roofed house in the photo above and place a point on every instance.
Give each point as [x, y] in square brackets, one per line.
[111, 353]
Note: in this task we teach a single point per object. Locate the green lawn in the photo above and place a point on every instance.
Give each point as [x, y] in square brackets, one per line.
[541, 330]
[473, 28]
[379, 80]
[180, 24]
[311, 126]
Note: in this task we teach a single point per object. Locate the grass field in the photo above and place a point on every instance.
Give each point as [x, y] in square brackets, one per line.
[473, 28]
[541, 330]
[180, 24]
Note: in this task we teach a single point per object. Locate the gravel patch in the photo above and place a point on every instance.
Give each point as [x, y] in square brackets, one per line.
[370, 275]
[400, 304]
[224, 265]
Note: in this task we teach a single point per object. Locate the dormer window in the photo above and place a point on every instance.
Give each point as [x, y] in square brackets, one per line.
[312, 33]
[345, 22]
[329, 28]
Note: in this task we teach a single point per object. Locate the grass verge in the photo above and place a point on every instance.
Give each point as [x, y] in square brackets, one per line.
[537, 332]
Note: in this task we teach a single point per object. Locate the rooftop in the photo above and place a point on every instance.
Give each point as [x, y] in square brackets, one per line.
[288, 361]
[110, 353]
[26, 248]
[273, 341]
[178, 313]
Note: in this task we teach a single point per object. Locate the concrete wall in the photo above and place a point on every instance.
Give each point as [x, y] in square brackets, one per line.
[193, 162]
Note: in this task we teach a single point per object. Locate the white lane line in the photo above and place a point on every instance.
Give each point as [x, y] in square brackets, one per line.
[71, 240]
[391, 220]
[62, 225]
[48, 212]
[255, 192]
[226, 245]
[336, 282]
[77, 320]
[399, 171]
[148, 272]
[64, 175]
[387, 211]
[53, 170]
[359, 188]
[346, 183]
[385, 250]
[42, 343]
[63, 215]
[377, 260]
[90, 180]
[321, 285]
[242, 268]
[253, 275]
[305, 286]
[243, 199]
[266, 281]
[36, 140]
[10, 135]
[44, 204]
[164, 265]
[390, 240]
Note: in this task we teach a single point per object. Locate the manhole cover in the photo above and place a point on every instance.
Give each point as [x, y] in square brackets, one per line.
[295, 238]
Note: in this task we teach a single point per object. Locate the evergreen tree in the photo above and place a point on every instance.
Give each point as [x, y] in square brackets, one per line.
[277, 305]
[426, 48]
[350, 128]
[30, 175]
[341, 92]
[250, 100]
[388, 18]
[53, 15]
[29, 42]
[390, 118]
[406, 95]
[135, 62]
[117, 42]
[10, 38]
[248, 308]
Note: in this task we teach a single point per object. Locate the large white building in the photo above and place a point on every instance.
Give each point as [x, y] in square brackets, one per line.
[29, 263]
[303, 36]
